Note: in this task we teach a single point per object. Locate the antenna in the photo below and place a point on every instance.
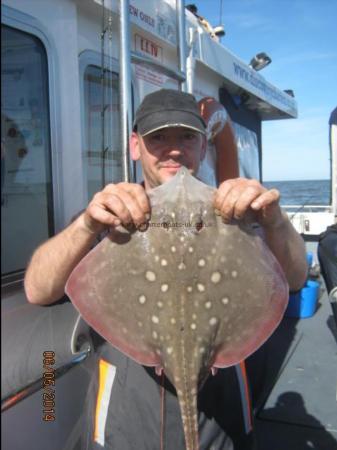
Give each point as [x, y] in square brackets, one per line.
[103, 106]
[220, 30]
[106, 39]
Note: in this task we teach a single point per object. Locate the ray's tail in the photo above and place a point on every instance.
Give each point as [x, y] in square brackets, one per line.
[187, 396]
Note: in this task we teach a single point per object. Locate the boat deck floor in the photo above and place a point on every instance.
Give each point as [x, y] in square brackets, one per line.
[298, 411]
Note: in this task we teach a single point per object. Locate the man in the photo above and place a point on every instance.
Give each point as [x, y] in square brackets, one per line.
[327, 257]
[168, 133]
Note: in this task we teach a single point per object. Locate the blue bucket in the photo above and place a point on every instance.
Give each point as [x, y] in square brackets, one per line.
[303, 303]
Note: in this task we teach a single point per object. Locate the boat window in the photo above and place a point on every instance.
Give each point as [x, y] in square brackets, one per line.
[102, 157]
[248, 151]
[26, 183]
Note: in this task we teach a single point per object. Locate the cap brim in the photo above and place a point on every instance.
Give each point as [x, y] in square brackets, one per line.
[173, 125]
[170, 119]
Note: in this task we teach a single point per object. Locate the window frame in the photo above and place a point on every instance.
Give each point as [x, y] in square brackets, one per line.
[91, 58]
[27, 24]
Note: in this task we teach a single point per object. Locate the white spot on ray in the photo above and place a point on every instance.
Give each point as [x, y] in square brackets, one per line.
[156, 258]
[225, 300]
[215, 277]
[182, 238]
[173, 320]
[208, 305]
[201, 262]
[234, 273]
[163, 262]
[193, 326]
[150, 276]
[189, 289]
[142, 299]
[191, 249]
[169, 350]
[213, 251]
[155, 319]
[201, 287]
[155, 335]
[164, 287]
[140, 324]
[173, 249]
[181, 266]
[160, 304]
[202, 350]
[213, 321]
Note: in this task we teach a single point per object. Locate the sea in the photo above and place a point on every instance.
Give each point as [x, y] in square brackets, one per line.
[302, 192]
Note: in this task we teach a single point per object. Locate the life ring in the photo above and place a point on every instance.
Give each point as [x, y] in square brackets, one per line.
[220, 133]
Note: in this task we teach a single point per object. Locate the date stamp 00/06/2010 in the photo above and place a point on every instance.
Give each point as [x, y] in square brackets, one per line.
[48, 395]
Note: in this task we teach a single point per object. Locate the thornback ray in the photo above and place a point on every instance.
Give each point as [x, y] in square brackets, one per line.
[187, 295]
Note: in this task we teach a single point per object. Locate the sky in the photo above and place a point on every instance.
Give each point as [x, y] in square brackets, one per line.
[300, 36]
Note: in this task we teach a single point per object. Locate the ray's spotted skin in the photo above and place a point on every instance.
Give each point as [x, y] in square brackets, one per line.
[189, 295]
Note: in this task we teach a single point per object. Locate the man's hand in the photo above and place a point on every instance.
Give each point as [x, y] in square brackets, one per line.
[53, 261]
[245, 199]
[122, 203]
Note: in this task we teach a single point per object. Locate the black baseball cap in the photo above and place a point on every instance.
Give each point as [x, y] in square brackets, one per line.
[168, 108]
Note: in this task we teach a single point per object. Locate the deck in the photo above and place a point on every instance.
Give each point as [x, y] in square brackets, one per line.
[298, 410]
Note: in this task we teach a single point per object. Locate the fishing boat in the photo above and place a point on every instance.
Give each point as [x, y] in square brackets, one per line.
[73, 73]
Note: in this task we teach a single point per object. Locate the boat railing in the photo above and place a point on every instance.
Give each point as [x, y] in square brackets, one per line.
[310, 219]
[308, 208]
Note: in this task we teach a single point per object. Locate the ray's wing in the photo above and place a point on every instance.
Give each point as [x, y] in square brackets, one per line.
[245, 291]
[122, 289]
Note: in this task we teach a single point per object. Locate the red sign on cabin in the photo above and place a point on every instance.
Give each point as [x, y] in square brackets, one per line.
[148, 47]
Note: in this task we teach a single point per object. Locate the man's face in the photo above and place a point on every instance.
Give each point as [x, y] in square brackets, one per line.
[163, 152]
